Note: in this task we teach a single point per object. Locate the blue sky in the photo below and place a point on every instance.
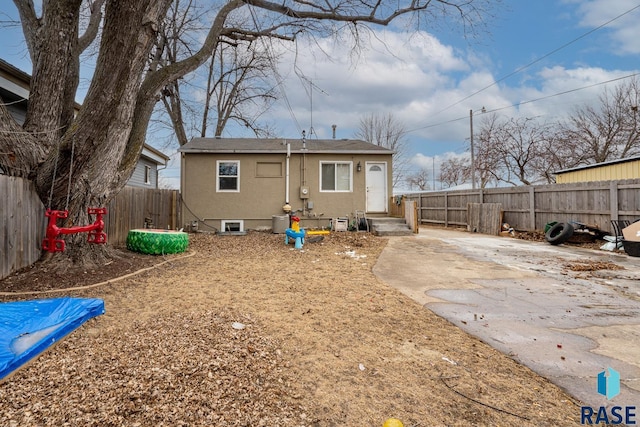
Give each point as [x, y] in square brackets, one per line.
[428, 81]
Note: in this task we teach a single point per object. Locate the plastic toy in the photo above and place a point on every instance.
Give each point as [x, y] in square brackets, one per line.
[295, 232]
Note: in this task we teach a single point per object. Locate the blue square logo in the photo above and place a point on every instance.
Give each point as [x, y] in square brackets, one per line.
[609, 385]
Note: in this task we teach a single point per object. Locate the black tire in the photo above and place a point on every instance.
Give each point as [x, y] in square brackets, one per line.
[559, 233]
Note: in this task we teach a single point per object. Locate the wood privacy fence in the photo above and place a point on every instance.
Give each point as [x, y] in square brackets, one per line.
[407, 209]
[23, 224]
[529, 208]
[136, 207]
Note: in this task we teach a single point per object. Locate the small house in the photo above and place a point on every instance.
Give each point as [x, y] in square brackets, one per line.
[237, 184]
[147, 169]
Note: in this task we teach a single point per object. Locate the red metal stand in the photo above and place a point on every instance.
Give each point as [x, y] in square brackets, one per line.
[51, 243]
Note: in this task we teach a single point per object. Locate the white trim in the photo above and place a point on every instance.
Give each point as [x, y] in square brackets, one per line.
[237, 190]
[223, 224]
[153, 156]
[14, 88]
[336, 162]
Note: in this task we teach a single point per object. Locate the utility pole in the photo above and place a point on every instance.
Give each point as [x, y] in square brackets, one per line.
[473, 160]
[473, 157]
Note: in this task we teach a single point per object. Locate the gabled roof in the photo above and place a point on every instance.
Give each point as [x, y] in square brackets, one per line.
[597, 165]
[279, 145]
[16, 73]
[14, 82]
[154, 155]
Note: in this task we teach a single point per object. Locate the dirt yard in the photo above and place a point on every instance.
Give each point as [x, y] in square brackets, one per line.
[245, 331]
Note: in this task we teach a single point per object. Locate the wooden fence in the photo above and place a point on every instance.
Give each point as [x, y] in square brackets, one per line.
[136, 207]
[22, 227]
[23, 224]
[529, 208]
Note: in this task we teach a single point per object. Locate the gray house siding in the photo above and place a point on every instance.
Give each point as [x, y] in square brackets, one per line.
[138, 178]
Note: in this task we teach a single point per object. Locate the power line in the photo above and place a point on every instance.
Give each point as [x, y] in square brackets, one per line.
[466, 117]
[524, 67]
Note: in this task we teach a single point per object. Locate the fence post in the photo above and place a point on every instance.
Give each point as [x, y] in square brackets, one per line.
[446, 210]
[613, 199]
[532, 208]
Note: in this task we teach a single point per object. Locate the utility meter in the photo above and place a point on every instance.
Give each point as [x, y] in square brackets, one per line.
[304, 192]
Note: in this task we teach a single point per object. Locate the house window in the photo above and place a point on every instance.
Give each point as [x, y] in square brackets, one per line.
[335, 176]
[147, 174]
[228, 175]
[232, 225]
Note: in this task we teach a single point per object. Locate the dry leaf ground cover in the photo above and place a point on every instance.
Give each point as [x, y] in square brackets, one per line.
[324, 343]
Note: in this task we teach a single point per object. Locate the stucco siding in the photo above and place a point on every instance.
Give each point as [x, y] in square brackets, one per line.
[262, 184]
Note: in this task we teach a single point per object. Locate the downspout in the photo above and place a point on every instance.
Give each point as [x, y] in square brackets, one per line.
[286, 185]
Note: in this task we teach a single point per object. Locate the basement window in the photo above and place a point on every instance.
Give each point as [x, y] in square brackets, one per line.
[232, 225]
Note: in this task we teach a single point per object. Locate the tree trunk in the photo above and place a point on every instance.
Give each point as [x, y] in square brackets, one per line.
[88, 164]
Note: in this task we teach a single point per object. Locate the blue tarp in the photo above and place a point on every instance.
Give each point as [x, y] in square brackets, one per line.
[27, 328]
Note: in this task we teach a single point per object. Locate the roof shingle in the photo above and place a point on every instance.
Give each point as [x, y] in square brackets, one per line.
[278, 145]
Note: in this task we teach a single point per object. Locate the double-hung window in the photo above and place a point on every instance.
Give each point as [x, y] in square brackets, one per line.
[228, 175]
[336, 176]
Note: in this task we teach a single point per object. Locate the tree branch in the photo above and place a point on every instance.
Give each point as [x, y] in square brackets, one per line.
[335, 14]
[30, 25]
[94, 25]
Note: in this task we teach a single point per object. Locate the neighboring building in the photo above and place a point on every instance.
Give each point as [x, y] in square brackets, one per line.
[14, 93]
[240, 184]
[14, 90]
[620, 169]
[149, 164]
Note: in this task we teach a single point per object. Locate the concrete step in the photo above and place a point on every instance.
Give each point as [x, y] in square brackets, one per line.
[389, 227]
[387, 220]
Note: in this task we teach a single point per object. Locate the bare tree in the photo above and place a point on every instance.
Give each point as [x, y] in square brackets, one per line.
[455, 171]
[607, 131]
[489, 160]
[84, 159]
[237, 79]
[419, 180]
[555, 154]
[512, 151]
[385, 130]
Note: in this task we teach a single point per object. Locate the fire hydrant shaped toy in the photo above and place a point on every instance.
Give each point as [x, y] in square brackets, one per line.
[295, 232]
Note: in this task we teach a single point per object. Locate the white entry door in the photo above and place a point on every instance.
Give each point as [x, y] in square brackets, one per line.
[376, 182]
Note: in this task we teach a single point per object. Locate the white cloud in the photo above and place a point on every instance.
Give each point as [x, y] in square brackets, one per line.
[428, 85]
[625, 31]
[398, 73]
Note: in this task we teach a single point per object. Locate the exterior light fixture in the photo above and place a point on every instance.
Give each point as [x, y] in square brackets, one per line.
[359, 167]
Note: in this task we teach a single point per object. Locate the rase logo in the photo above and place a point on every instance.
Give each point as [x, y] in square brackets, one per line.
[608, 386]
